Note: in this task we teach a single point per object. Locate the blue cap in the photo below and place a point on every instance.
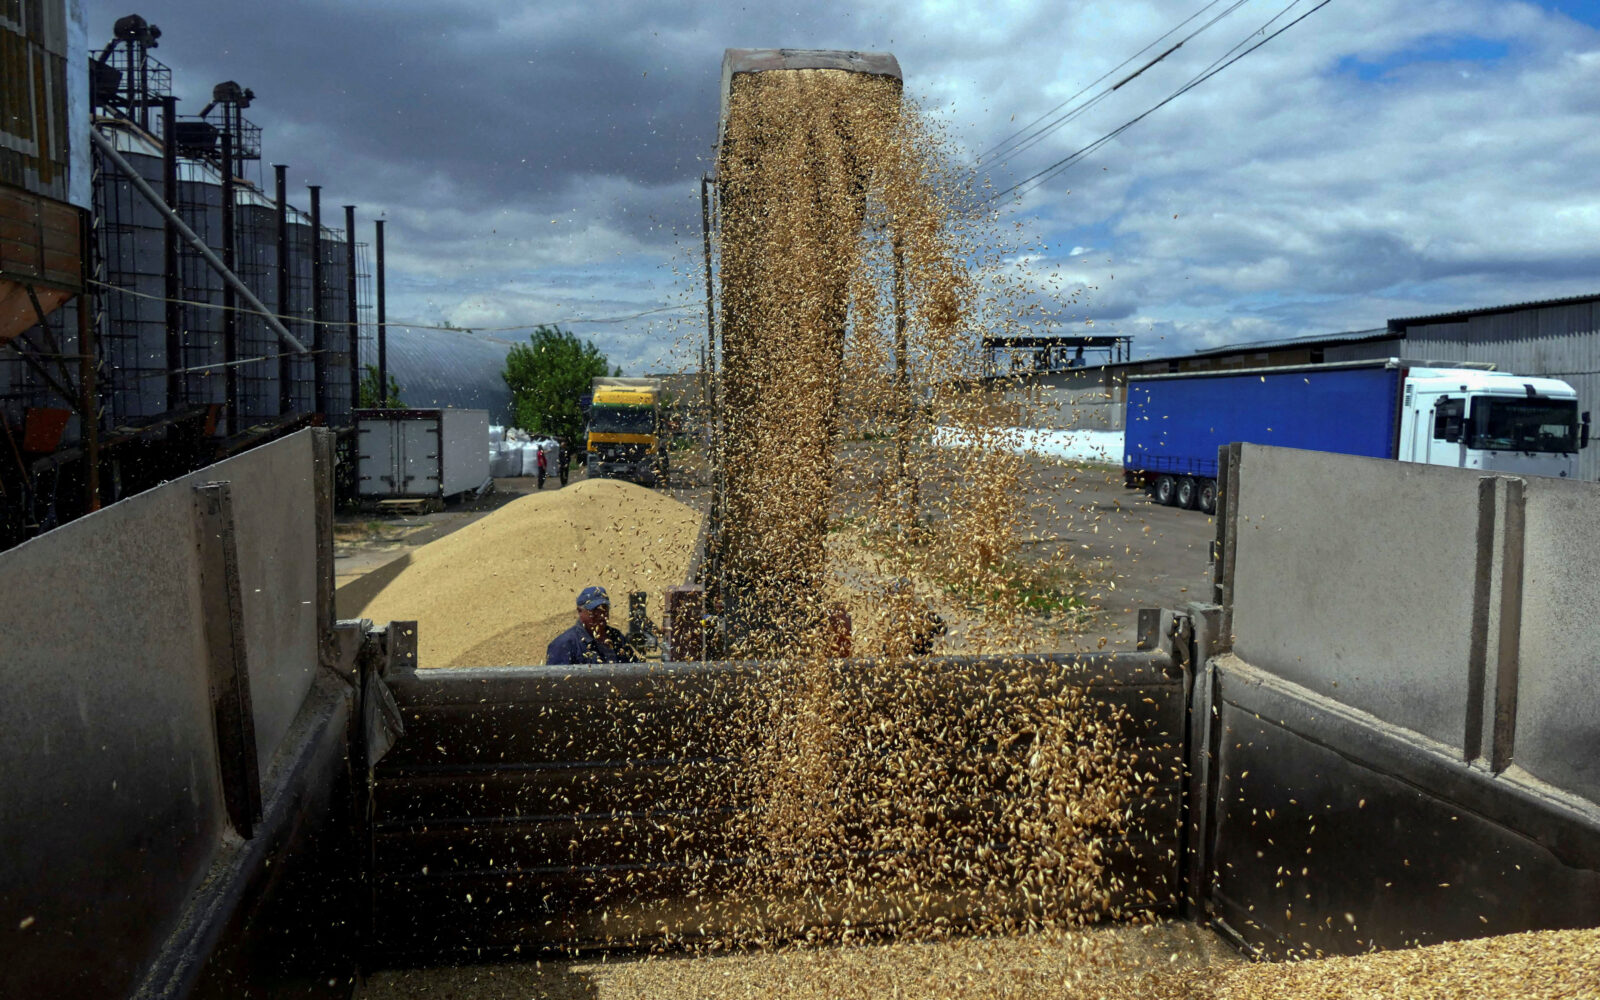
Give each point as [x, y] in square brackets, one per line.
[593, 597]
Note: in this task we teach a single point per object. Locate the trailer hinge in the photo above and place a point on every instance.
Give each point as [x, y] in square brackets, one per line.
[1180, 636]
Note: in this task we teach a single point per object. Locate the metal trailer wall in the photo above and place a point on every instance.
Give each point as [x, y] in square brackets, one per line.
[169, 729]
[534, 808]
[1398, 704]
[1558, 340]
[1176, 423]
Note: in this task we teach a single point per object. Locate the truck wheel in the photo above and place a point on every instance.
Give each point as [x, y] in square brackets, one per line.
[1165, 490]
[1188, 493]
[1208, 496]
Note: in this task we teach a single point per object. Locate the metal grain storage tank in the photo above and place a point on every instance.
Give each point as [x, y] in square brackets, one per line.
[256, 225]
[335, 356]
[202, 357]
[133, 330]
[304, 388]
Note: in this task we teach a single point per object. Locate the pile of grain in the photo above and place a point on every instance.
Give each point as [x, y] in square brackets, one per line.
[1159, 962]
[497, 591]
[1550, 965]
[1118, 963]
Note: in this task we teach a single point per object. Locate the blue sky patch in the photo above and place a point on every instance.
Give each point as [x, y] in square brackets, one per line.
[1462, 49]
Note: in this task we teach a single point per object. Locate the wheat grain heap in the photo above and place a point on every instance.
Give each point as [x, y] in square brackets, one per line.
[497, 591]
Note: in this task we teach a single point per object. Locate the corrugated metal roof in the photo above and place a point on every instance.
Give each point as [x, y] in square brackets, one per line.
[1457, 316]
[1315, 340]
[448, 368]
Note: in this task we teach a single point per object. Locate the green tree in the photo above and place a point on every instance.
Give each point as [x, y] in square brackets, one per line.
[372, 397]
[547, 376]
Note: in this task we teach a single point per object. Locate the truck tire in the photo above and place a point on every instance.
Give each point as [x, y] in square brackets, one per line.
[1208, 496]
[1165, 490]
[1188, 493]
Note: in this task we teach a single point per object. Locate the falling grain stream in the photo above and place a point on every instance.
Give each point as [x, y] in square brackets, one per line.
[903, 826]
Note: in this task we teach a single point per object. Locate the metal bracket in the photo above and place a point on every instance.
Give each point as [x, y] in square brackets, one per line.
[1180, 636]
[398, 642]
[222, 601]
[342, 647]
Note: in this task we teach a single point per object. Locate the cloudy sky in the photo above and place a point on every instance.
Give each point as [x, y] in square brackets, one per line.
[540, 161]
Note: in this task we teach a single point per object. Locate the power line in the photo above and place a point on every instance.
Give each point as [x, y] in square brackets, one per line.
[1002, 144]
[286, 318]
[1040, 177]
[1023, 142]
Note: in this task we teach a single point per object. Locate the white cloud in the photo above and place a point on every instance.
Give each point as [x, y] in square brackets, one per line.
[1295, 193]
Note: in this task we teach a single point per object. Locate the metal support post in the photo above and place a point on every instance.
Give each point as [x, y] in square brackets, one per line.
[169, 258]
[352, 315]
[222, 598]
[285, 362]
[230, 317]
[383, 318]
[88, 369]
[319, 340]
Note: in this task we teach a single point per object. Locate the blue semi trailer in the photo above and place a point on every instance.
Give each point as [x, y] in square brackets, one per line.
[1465, 417]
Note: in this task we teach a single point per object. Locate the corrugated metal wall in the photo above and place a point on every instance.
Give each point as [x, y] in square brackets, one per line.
[1559, 341]
[1364, 352]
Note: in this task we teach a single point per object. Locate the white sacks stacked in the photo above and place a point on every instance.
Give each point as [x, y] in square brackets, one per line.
[514, 452]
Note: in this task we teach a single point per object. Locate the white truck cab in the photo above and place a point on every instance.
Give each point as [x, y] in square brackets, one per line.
[1474, 419]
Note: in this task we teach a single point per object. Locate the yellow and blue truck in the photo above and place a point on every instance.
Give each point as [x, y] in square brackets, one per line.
[627, 435]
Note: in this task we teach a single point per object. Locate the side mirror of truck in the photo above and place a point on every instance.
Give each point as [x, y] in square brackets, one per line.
[1583, 431]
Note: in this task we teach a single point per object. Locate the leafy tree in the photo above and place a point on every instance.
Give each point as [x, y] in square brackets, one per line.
[372, 396]
[547, 376]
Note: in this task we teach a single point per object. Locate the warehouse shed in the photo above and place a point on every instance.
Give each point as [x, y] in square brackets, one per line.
[1556, 338]
[457, 369]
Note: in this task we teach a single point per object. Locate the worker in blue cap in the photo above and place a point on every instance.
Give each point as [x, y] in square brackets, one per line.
[592, 640]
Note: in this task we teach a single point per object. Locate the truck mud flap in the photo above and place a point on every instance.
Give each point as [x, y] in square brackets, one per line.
[550, 808]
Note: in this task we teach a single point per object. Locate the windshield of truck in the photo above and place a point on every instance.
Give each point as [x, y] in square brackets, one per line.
[1524, 425]
[615, 419]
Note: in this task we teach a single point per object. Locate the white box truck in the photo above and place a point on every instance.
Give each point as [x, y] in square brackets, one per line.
[421, 455]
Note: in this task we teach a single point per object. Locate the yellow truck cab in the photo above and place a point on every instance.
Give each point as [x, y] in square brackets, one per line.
[626, 436]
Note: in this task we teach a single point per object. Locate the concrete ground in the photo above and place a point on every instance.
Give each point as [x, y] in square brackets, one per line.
[1133, 553]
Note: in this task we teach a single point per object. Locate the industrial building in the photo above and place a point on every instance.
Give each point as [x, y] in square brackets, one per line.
[1556, 338]
[461, 369]
[162, 310]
